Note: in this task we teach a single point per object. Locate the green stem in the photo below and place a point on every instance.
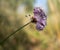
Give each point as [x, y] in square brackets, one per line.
[14, 33]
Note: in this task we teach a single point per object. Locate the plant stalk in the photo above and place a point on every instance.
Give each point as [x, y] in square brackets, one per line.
[14, 33]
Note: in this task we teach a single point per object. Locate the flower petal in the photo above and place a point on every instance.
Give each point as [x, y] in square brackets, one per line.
[39, 26]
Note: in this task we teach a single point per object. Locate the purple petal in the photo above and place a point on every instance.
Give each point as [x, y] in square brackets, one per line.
[42, 21]
[37, 17]
[39, 14]
[39, 26]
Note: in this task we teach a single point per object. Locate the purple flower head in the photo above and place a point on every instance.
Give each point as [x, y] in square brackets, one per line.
[39, 18]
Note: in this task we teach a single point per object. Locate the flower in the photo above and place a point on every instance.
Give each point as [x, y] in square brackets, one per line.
[39, 18]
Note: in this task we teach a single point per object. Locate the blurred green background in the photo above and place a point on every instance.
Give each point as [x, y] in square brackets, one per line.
[13, 15]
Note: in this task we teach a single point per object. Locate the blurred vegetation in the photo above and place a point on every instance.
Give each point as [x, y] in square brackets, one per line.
[29, 38]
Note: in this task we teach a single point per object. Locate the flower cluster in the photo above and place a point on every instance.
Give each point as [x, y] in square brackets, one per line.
[39, 18]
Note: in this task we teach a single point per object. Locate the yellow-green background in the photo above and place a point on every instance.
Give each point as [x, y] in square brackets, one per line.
[29, 37]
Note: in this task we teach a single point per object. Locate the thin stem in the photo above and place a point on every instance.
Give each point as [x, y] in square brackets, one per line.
[14, 33]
